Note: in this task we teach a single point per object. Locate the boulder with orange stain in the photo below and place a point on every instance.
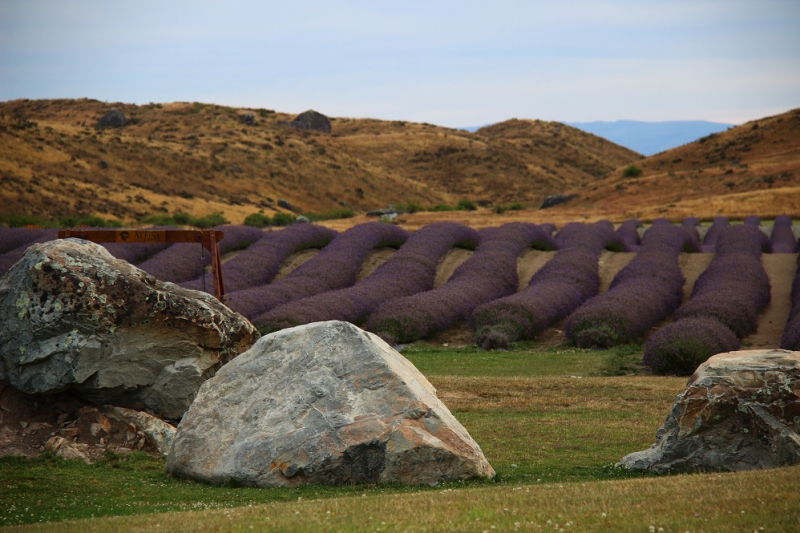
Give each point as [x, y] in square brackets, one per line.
[322, 403]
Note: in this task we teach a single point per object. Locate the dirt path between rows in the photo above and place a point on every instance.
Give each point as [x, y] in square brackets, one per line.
[781, 269]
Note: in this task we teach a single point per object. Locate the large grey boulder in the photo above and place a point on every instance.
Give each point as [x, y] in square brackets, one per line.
[740, 411]
[73, 317]
[322, 403]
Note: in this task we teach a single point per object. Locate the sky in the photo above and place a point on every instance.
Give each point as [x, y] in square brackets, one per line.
[451, 63]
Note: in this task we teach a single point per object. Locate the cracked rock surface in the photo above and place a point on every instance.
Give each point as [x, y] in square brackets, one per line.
[74, 318]
[322, 403]
[739, 411]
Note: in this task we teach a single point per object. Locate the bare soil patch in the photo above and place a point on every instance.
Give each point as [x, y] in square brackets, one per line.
[692, 265]
[374, 260]
[294, 261]
[609, 264]
[449, 264]
[529, 263]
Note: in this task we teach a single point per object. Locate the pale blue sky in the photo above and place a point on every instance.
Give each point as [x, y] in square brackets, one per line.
[453, 63]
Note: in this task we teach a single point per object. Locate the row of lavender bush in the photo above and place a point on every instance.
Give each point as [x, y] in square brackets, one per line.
[260, 263]
[335, 267]
[783, 240]
[556, 290]
[791, 333]
[640, 296]
[782, 237]
[728, 295]
[187, 261]
[14, 254]
[411, 270]
[490, 273]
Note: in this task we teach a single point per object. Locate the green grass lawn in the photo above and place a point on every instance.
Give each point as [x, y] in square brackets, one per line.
[552, 422]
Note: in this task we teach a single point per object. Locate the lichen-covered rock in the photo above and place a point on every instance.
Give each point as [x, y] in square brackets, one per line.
[740, 411]
[322, 403]
[72, 317]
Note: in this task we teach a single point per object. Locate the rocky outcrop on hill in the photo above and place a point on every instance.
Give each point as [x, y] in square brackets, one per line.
[72, 317]
[322, 403]
[114, 118]
[740, 411]
[248, 119]
[311, 120]
[557, 199]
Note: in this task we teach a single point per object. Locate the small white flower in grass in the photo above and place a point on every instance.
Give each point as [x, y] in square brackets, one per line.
[653, 529]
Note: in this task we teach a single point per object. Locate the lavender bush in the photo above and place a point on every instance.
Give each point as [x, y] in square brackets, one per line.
[734, 287]
[641, 295]
[729, 294]
[187, 261]
[782, 238]
[791, 333]
[11, 238]
[8, 259]
[680, 347]
[629, 231]
[259, 263]
[690, 224]
[335, 267]
[548, 228]
[489, 274]
[557, 289]
[713, 233]
[411, 270]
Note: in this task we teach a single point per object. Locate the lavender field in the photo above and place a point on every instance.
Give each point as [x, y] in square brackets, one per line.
[685, 291]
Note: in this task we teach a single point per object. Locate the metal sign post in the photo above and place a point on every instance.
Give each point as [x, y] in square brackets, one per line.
[209, 239]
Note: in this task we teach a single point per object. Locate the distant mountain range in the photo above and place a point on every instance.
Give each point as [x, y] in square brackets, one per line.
[650, 138]
[647, 138]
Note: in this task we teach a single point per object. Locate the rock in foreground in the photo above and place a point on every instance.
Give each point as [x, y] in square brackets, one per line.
[740, 411]
[72, 317]
[322, 403]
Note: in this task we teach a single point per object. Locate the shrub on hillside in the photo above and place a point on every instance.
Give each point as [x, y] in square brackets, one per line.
[632, 171]
[466, 205]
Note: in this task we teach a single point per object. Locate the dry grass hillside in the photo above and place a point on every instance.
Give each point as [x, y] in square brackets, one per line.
[746, 170]
[197, 158]
[513, 161]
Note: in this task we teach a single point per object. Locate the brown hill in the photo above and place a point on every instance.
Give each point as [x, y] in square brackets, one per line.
[753, 169]
[56, 161]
